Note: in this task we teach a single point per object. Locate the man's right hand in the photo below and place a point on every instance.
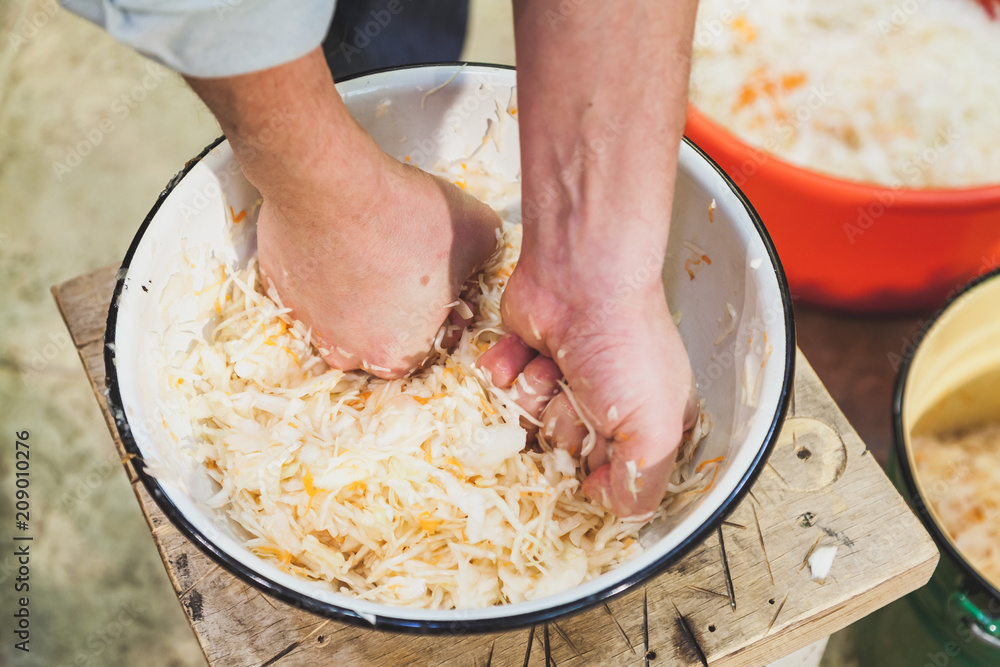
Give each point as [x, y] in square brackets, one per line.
[628, 370]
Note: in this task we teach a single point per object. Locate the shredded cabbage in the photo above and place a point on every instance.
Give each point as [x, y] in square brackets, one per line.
[419, 491]
[959, 474]
[881, 91]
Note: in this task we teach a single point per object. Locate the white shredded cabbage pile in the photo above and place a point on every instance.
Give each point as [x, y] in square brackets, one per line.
[902, 94]
[960, 475]
[418, 491]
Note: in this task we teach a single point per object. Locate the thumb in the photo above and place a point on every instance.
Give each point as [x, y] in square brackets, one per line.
[631, 488]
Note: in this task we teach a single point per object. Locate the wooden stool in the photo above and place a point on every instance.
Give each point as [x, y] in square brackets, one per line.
[820, 487]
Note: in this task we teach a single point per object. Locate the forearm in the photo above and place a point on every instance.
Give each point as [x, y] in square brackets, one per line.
[602, 95]
[291, 131]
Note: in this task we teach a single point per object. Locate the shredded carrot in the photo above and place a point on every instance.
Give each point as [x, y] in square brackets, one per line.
[746, 97]
[746, 31]
[307, 482]
[237, 218]
[215, 284]
[715, 472]
[706, 259]
[451, 460]
[429, 524]
[284, 556]
[717, 459]
[793, 81]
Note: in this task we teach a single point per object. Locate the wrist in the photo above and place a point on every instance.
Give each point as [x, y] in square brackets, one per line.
[291, 132]
[601, 254]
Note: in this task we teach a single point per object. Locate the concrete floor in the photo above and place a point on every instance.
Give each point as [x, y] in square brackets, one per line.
[99, 594]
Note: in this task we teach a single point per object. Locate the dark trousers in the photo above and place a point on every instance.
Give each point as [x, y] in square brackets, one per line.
[371, 34]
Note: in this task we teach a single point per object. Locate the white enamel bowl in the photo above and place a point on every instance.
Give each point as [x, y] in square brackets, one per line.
[449, 124]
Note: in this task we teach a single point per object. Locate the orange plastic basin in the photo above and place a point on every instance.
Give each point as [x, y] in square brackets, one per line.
[860, 247]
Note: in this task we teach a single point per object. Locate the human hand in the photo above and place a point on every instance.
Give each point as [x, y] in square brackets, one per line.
[990, 7]
[629, 374]
[599, 146]
[365, 250]
[374, 274]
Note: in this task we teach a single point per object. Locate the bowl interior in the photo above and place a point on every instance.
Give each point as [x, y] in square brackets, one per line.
[952, 383]
[954, 379]
[743, 376]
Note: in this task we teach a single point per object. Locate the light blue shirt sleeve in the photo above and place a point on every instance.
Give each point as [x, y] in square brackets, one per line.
[212, 38]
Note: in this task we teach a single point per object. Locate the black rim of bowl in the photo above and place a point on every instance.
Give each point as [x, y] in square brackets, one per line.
[978, 584]
[407, 625]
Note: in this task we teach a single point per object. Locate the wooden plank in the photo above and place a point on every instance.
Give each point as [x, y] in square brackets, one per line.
[820, 487]
[86, 299]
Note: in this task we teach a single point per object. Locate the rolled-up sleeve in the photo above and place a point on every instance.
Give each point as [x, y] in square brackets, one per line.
[212, 38]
